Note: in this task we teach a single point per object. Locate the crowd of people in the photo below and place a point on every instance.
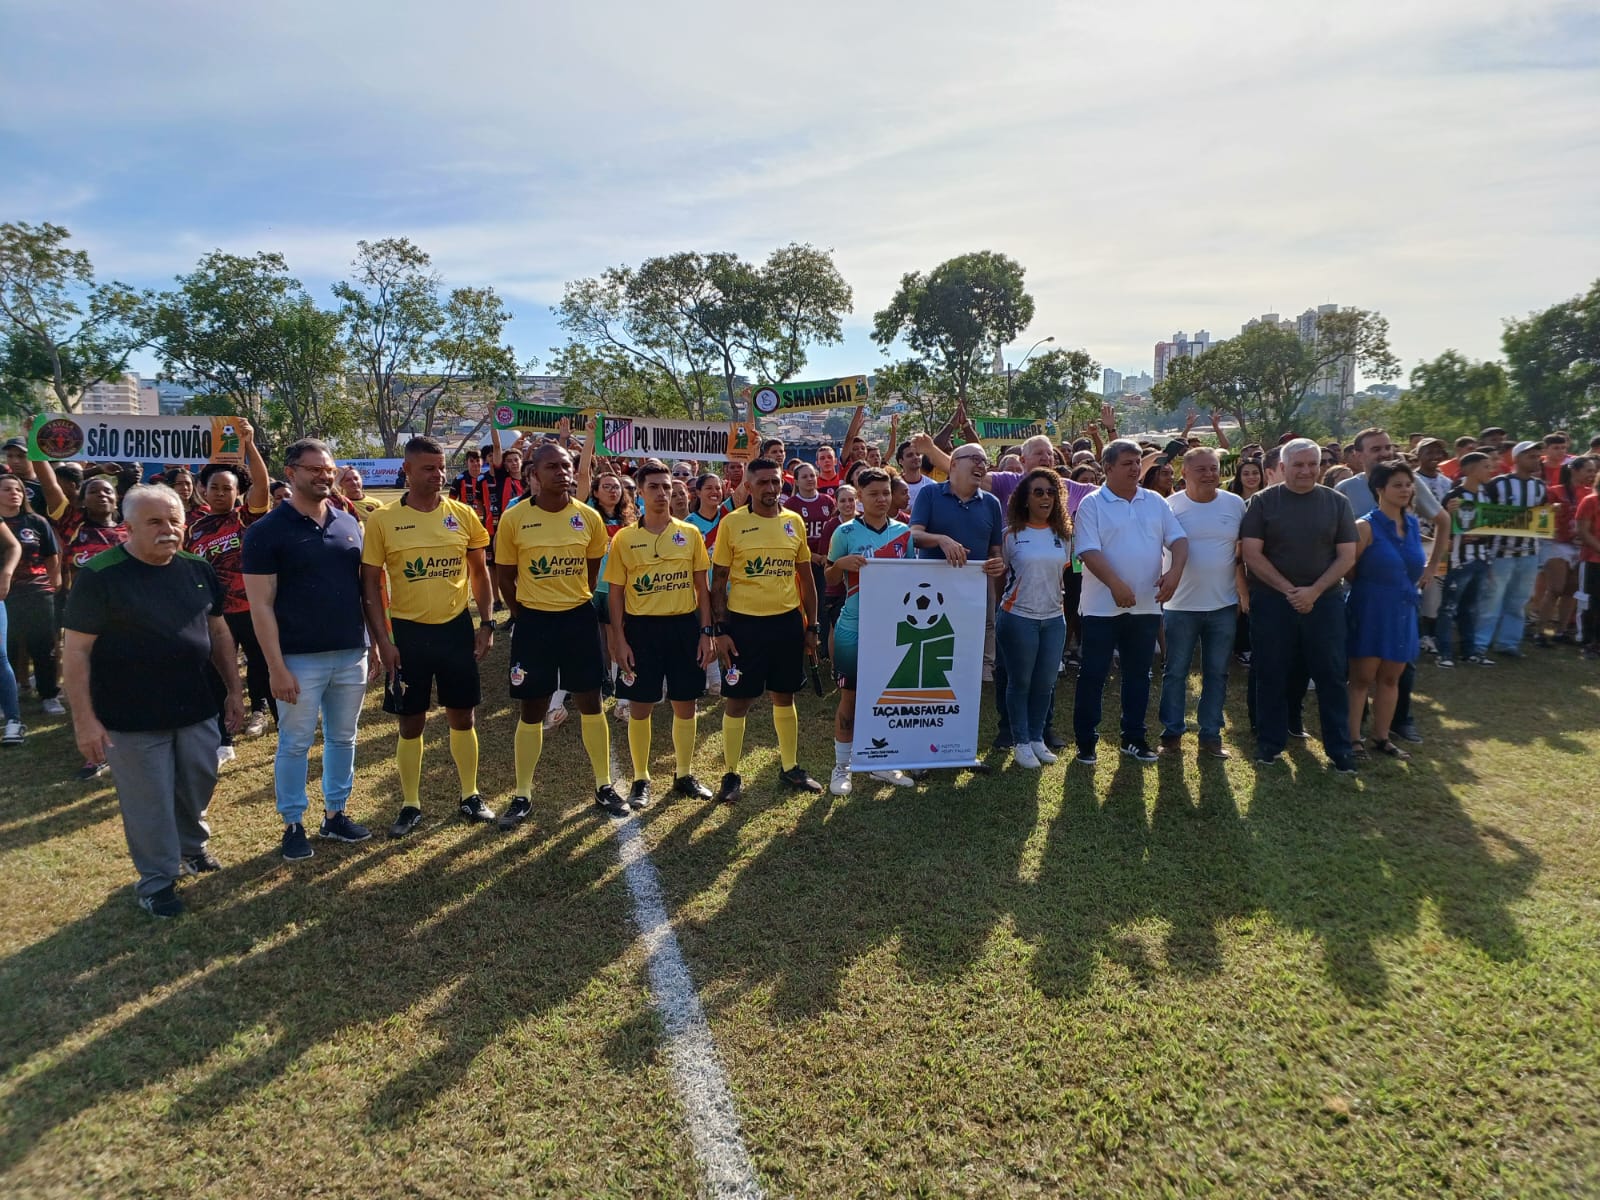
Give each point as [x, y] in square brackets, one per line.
[1330, 567]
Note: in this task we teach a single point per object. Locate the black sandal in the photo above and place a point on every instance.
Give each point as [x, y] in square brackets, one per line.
[1385, 746]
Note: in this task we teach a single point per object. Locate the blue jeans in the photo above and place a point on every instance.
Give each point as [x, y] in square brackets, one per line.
[1215, 632]
[1458, 605]
[333, 685]
[1279, 637]
[1133, 637]
[1034, 647]
[1501, 599]
[10, 709]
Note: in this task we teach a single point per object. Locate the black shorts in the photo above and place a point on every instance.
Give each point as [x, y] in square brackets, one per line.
[771, 654]
[555, 650]
[665, 650]
[429, 654]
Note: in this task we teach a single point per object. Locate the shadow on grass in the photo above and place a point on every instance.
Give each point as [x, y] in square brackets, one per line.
[934, 873]
[482, 932]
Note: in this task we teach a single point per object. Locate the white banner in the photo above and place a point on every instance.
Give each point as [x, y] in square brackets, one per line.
[376, 472]
[919, 679]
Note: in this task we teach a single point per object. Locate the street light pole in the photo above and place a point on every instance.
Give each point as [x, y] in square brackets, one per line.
[1010, 371]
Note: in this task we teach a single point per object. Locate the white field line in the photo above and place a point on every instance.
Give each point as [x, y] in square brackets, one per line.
[697, 1073]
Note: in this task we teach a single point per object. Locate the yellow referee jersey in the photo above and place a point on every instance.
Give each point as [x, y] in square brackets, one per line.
[762, 555]
[425, 554]
[552, 552]
[657, 570]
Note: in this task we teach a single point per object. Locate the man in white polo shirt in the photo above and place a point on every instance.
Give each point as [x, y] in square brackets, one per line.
[1204, 609]
[1119, 534]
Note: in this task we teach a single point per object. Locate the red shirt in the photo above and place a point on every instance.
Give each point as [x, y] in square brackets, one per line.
[815, 513]
[829, 486]
[1589, 513]
[219, 539]
[89, 539]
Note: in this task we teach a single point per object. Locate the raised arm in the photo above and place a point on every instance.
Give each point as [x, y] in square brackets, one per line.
[259, 498]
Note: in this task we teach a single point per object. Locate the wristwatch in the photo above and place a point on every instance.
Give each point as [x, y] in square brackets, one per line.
[708, 631]
[814, 628]
[486, 623]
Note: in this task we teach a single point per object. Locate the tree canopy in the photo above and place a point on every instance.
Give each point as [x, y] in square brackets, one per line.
[62, 329]
[957, 315]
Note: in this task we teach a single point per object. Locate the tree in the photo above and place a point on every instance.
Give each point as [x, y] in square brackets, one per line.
[71, 332]
[695, 316]
[417, 357]
[955, 317]
[1055, 386]
[1262, 376]
[1554, 359]
[925, 394]
[1449, 397]
[609, 380]
[245, 332]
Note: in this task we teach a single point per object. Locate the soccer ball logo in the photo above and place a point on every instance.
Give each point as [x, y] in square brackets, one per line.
[924, 606]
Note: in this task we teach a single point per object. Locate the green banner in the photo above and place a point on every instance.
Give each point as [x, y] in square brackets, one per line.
[1504, 520]
[1010, 429]
[806, 394]
[514, 415]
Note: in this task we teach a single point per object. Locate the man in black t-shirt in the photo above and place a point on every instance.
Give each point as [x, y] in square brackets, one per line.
[1298, 540]
[145, 643]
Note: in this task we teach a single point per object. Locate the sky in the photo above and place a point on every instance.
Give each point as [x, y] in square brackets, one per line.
[1155, 167]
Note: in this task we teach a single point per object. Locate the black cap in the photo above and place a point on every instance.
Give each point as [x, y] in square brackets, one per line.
[15, 443]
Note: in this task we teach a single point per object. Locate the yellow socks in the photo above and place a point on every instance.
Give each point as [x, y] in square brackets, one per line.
[683, 729]
[597, 741]
[639, 747]
[408, 757]
[732, 742]
[526, 747]
[464, 749]
[787, 723]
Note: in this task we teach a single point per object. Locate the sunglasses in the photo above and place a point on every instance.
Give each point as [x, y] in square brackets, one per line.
[1043, 491]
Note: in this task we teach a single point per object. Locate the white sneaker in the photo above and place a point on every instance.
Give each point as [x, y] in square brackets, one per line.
[53, 707]
[1427, 645]
[620, 710]
[554, 718]
[1024, 756]
[13, 734]
[898, 778]
[839, 782]
[1042, 752]
[226, 754]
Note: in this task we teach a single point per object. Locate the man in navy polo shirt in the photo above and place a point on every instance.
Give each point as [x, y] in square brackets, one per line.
[302, 573]
[957, 520]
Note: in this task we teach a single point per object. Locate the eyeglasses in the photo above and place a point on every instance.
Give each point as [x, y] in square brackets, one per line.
[978, 464]
[1044, 491]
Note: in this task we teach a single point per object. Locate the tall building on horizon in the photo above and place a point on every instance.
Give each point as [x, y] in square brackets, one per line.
[118, 397]
[1180, 347]
[1110, 382]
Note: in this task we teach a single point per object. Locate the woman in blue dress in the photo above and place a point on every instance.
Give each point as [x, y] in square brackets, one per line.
[1381, 610]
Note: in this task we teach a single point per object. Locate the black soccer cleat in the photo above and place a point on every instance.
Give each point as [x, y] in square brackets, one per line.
[472, 808]
[516, 814]
[732, 788]
[608, 799]
[639, 795]
[688, 785]
[406, 823]
[797, 778]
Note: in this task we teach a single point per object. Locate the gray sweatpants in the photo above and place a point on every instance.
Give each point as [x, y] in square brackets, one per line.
[164, 785]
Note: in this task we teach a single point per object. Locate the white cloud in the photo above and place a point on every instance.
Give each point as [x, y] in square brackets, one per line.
[1154, 166]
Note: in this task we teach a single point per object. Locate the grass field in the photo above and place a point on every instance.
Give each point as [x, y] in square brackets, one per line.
[1172, 981]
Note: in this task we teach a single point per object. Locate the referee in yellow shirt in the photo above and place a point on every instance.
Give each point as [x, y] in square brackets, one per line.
[547, 551]
[761, 585]
[660, 628]
[431, 548]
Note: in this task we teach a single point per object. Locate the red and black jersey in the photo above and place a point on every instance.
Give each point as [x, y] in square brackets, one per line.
[474, 493]
[90, 539]
[39, 546]
[219, 539]
[503, 488]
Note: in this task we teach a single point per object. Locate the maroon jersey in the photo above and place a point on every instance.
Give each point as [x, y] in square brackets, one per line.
[219, 539]
[815, 512]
